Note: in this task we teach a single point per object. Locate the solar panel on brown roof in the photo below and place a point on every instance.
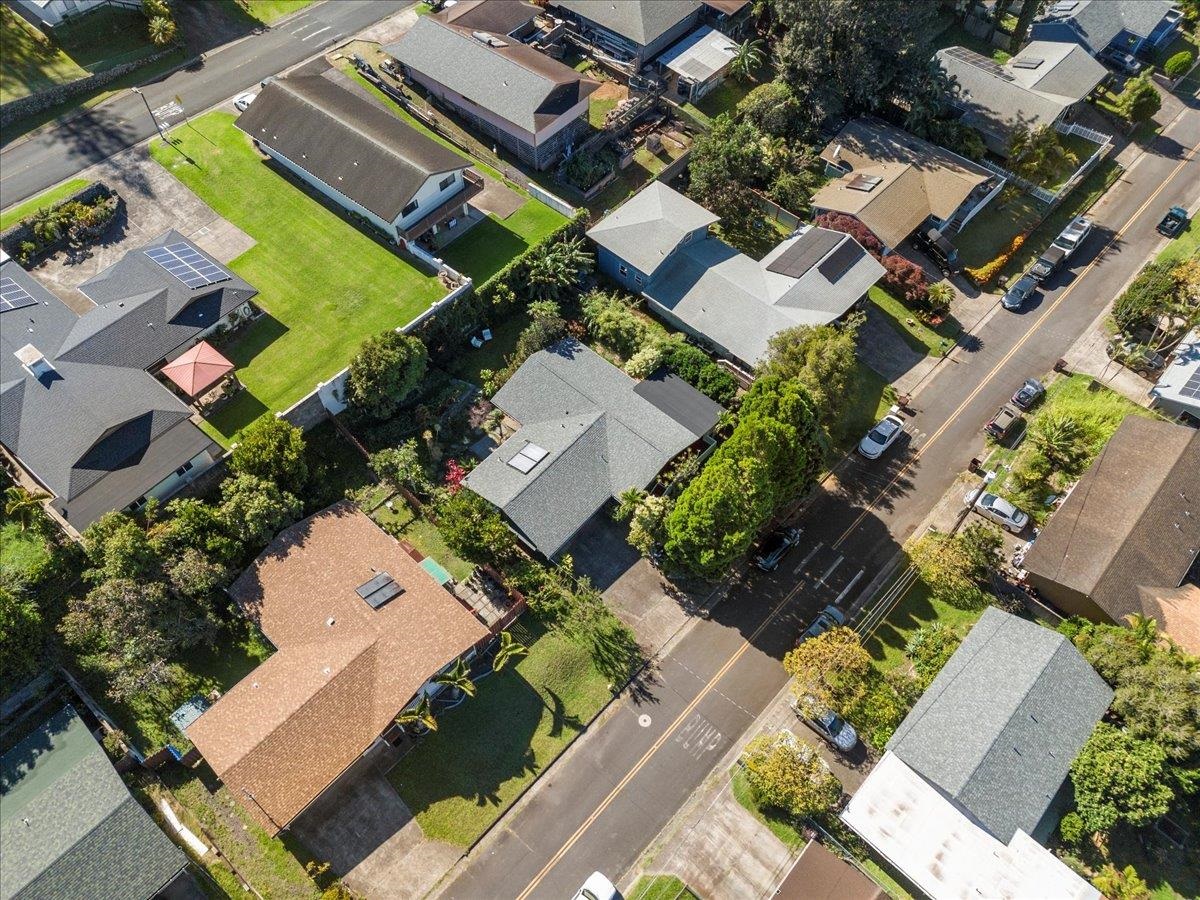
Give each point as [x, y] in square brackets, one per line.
[840, 260]
[805, 252]
[864, 182]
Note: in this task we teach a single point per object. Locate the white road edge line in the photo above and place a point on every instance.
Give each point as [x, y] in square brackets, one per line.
[837, 562]
[804, 562]
[846, 589]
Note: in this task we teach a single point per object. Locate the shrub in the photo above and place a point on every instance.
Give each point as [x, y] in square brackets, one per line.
[717, 384]
[985, 274]
[646, 361]
[1071, 830]
[695, 367]
[905, 280]
[272, 449]
[1146, 298]
[1178, 64]
[853, 227]
[788, 774]
[386, 369]
[614, 324]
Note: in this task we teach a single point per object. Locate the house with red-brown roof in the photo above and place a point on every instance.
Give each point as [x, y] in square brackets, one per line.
[360, 629]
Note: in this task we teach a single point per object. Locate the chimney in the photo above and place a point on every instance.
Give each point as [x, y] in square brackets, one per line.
[34, 361]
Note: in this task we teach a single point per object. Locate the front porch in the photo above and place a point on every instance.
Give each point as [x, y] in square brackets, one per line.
[449, 220]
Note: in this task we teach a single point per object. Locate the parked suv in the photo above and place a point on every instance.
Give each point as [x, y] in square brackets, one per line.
[938, 248]
[825, 722]
[775, 547]
[1003, 424]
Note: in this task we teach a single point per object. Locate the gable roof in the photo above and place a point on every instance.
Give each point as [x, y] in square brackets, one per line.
[641, 21]
[646, 228]
[1099, 21]
[1132, 520]
[811, 278]
[347, 140]
[601, 436]
[917, 179]
[515, 82]
[1001, 723]
[96, 433]
[343, 668]
[68, 825]
[997, 99]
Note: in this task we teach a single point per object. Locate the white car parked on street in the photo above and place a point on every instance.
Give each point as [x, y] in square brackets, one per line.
[882, 436]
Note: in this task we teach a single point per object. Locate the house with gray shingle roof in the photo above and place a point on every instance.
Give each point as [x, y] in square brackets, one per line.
[473, 58]
[1127, 25]
[633, 31]
[587, 433]
[998, 728]
[81, 413]
[69, 828]
[1041, 85]
[657, 244]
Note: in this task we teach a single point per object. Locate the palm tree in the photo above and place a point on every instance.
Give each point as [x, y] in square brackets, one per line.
[1058, 437]
[559, 268]
[458, 678]
[21, 505]
[420, 716]
[1144, 628]
[940, 295]
[510, 649]
[748, 58]
[162, 31]
[495, 422]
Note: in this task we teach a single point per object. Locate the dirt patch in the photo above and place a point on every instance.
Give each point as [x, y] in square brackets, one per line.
[610, 90]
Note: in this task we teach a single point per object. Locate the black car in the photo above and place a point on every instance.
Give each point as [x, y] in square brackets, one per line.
[775, 547]
[1029, 394]
[1003, 424]
[1173, 222]
[939, 249]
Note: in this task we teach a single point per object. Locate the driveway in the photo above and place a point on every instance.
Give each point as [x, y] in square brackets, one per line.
[362, 828]
[636, 591]
[154, 201]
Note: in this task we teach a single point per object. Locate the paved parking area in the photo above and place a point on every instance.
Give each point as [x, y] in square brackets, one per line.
[154, 201]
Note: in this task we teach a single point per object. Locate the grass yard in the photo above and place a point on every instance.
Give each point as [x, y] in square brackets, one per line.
[867, 398]
[423, 535]
[492, 244]
[660, 887]
[91, 43]
[324, 285]
[921, 337]
[886, 645]
[725, 97]
[265, 11]
[15, 214]
[460, 779]
[1185, 245]
[23, 554]
[598, 110]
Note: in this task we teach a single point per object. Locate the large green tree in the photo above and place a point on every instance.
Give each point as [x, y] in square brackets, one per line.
[854, 56]
[1119, 778]
[252, 510]
[956, 567]
[118, 547]
[789, 774]
[387, 368]
[273, 449]
[22, 635]
[1139, 100]
[833, 669]
[821, 358]
[788, 402]
[473, 528]
[725, 162]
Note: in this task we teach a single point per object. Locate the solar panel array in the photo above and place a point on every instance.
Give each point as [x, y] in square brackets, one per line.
[838, 262]
[379, 590]
[188, 265]
[804, 253]
[971, 58]
[527, 457]
[1192, 388]
[14, 296]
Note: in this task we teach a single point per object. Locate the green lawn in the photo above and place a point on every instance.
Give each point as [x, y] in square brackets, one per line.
[22, 553]
[598, 110]
[886, 645]
[725, 97]
[16, 213]
[918, 335]
[266, 11]
[460, 779]
[1185, 245]
[492, 244]
[324, 284]
[868, 397]
[424, 536]
[660, 887]
[92, 43]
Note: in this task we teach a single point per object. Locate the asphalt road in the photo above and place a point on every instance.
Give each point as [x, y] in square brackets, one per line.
[30, 166]
[609, 797]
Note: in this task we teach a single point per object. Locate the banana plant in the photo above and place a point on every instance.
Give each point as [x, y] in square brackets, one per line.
[509, 650]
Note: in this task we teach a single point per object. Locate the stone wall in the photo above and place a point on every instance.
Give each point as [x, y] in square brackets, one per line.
[18, 109]
[13, 236]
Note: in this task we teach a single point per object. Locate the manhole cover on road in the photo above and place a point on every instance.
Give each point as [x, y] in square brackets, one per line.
[644, 720]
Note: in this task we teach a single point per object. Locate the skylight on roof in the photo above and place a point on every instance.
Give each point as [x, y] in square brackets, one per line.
[528, 457]
[379, 590]
[1029, 62]
[865, 183]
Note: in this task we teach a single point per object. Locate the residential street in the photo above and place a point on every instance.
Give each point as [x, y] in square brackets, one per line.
[30, 166]
[608, 798]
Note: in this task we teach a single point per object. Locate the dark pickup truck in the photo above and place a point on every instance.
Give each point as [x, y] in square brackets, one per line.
[1048, 263]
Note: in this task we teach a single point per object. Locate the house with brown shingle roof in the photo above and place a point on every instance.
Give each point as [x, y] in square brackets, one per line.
[360, 630]
[1127, 538]
[895, 183]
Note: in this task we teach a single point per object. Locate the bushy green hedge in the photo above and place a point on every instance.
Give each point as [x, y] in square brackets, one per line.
[1178, 64]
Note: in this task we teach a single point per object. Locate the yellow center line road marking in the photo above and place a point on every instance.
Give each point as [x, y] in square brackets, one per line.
[987, 379]
[746, 644]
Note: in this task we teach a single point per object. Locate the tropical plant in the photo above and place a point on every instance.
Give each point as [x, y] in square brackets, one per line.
[420, 717]
[510, 650]
[1119, 778]
[1059, 437]
[748, 58]
[939, 296]
[1039, 155]
[23, 506]
[386, 369]
[458, 678]
[561, 267]
[788, 774]
[955, 567]
[400, 466]
[162, 30]
[1121, 884]
[1144, 628]
[1140, 99]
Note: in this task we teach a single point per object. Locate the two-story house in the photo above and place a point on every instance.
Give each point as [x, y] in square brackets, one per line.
[1130, 26]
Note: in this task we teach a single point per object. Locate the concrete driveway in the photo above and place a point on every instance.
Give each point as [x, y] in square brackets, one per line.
[636, 591]
[362, 828]
[154, 201]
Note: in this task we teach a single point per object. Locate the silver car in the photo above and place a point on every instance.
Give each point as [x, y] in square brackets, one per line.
[882, 436]
[826, 723]
[829, 617]
[1000, 511]
[1016, 295]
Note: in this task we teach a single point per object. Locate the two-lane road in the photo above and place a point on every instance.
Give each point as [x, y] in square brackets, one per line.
[30, 166]
[608, 799]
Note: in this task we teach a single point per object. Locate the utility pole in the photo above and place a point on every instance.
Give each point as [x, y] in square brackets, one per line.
[162, 134]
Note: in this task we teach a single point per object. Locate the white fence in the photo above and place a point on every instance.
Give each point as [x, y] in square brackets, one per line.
[555, 203]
